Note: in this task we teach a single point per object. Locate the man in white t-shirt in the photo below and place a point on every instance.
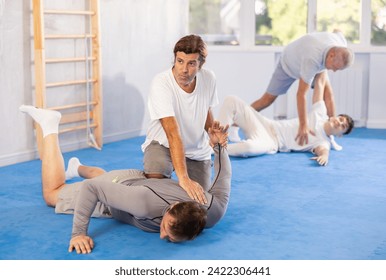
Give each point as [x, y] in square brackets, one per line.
[307, 59]
[179, 104]
[265, 136]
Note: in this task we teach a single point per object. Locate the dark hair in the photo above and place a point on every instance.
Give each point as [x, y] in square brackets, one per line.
[189, 220]
[192, 44]
[350, 123]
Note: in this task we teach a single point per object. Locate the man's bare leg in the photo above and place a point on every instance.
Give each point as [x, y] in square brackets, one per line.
[89, 172]
[263, 102]
[53, 172]
[53, 178]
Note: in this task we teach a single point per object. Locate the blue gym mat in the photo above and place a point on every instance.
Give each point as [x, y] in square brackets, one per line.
[282, 207]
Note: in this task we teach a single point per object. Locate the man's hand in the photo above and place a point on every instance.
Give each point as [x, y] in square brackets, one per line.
[218, 134]
[321, 155]
[302, 136]
[83, 244]
[194, 190]
[322, 159]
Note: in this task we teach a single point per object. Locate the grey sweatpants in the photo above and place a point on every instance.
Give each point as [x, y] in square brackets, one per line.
[157, 160]
[69, 194]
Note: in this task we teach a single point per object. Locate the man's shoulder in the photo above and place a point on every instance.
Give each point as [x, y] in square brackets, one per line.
[207, 73]
[163, 78]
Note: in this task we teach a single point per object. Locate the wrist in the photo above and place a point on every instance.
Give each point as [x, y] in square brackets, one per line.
[183, 179]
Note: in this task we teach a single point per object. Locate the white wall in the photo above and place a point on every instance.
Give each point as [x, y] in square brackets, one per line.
[137, 41]
[15, 80]
[245, 74]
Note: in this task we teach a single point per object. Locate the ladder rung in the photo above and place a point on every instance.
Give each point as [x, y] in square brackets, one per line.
[69, 83]
[79, 127]
[78, 105]
[75, 117]
[69, 36]
[69, 12]
[69, 59]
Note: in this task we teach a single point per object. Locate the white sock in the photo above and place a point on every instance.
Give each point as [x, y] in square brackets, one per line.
[335, 145]
[72, 168]
[47, 119]
[233, 134]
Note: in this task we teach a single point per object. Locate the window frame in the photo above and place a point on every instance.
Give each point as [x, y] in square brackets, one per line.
[247, 29]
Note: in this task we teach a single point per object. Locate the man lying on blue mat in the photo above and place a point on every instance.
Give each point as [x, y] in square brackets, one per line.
[153, 205]
[265, 136]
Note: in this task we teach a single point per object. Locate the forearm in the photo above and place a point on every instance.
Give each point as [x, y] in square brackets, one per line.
[222, 175]
[301, 101]
[209, 120]
[322, 152]
[329, 100]
[322, 155]
[176, 147]
[221, 186]
[111, 194]
[302, 108]
[323, 91]
[177, 153]
[84, 207]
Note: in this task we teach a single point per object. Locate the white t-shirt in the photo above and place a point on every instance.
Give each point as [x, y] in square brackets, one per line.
[287, 130]
[306, 56]
[167, 99]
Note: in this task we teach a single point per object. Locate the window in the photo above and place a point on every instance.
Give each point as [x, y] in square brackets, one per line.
[277, 22]
[340, 14]
[216, 21]
[378, 22]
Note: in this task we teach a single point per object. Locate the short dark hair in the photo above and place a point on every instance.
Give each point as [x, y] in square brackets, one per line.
[350, 123]
[189, 220]
[192, 44]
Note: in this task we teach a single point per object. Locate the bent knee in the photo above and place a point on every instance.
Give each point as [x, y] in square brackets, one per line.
[50, 199]
[230, 100]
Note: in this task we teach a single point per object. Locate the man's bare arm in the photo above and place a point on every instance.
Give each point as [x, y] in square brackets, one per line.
[322, 154]
[323, 91]
[329, 99]
[209, 120]
[177, 153]
[302, 136]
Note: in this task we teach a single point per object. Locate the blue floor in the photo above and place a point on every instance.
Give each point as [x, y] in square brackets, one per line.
[282, 207]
